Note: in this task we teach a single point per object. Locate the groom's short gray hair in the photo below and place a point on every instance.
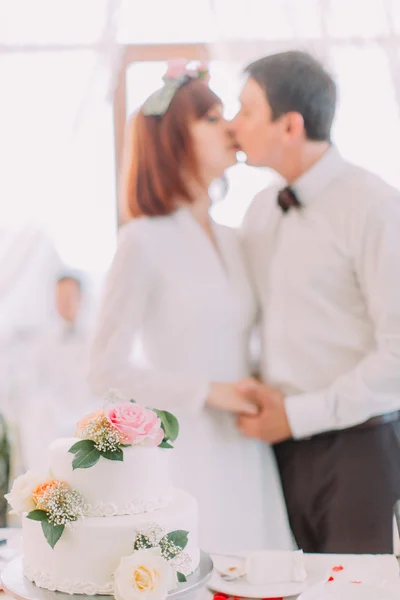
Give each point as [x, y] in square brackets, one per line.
[296, 81]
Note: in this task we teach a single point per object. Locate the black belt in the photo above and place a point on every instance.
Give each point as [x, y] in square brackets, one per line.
[379, 420]
[373, 422]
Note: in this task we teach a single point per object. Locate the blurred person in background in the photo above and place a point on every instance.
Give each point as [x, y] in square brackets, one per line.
[68, 302]
[50, 370]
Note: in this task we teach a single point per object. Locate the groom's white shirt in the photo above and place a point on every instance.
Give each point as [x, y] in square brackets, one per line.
[328, 283]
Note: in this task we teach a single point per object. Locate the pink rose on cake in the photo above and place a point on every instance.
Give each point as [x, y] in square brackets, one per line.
[105, 432]
[135, 424]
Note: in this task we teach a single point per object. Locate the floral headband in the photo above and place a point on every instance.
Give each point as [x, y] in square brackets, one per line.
[178, 74]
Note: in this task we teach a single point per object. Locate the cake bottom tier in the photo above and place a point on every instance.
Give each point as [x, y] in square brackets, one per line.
[86, 556]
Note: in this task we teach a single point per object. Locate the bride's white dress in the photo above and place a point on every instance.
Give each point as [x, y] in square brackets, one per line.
[192, 308]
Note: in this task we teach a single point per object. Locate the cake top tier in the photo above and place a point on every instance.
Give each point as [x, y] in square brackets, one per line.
[120, 424]
[117, 464]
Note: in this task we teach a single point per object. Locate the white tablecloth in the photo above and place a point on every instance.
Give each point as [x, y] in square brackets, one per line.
[317, 565]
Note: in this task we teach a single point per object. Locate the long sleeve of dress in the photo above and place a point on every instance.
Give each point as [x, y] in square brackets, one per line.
[130, 285]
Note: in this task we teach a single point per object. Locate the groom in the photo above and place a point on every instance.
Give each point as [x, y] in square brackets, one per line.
[324, 250]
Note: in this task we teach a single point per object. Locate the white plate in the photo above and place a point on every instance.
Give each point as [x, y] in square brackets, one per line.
[241, 588]
[245, 590]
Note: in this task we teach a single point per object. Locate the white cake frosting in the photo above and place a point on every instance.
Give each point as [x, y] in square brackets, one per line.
[86, 556]
[141, 483]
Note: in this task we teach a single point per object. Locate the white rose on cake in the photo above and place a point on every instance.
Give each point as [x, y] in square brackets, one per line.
[144, 575]
[20, 497]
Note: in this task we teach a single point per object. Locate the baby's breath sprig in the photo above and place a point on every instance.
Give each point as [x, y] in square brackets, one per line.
[57, 507]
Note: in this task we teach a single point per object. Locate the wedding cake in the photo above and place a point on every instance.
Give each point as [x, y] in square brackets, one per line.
[106, 519]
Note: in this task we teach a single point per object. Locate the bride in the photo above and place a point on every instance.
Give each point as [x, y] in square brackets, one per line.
[178, 285]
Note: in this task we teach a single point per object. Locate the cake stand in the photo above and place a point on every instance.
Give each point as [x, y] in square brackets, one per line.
[18, 586]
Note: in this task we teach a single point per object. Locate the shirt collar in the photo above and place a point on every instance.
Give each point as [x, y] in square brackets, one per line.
[309, 185]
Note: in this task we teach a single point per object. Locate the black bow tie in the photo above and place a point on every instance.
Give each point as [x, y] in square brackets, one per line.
[287, 199]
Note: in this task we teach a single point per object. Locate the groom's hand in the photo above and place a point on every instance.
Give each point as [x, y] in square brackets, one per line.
[271, 424]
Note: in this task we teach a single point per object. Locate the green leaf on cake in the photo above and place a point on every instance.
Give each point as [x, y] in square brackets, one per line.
[37, 515]
[173, 543]
[178, 538]
[133, 401]
[169, 423]
[52, 533]
[115, 455]
[81, 445]
[86, 454]
[84, 459]
[165, 445]
[181, 577]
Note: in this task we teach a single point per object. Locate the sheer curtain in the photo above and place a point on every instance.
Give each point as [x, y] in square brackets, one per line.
[57, 185]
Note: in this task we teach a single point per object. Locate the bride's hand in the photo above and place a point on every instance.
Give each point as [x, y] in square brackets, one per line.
[226, 397]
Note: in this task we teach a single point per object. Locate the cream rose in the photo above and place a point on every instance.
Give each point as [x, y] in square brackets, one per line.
[20, 497]
[144, 575]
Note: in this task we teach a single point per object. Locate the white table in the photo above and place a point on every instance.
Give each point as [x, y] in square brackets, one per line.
[317, 565]
[367, 568]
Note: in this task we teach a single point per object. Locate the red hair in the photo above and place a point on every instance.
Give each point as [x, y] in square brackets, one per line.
[159, 150]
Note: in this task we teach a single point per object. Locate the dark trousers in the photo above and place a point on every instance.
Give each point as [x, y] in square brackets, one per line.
[341, 487]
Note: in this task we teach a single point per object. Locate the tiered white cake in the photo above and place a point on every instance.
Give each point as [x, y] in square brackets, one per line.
[123, 499]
